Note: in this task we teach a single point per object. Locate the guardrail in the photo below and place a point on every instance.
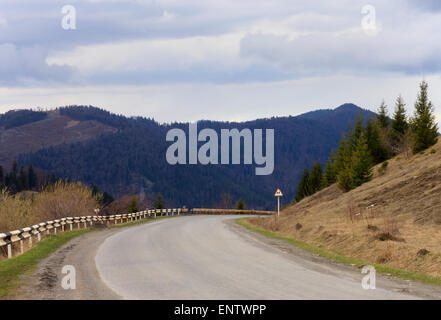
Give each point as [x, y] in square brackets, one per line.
[16, 242]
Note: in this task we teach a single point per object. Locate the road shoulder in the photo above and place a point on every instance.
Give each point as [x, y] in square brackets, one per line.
[45, 281]
[324, 265]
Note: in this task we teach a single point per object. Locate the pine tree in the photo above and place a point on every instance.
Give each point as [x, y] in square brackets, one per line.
[14, 170]
[382, 116]
[330, 174]
[344, 162]
[304, 188]
[344, 179]
[133, 206]
[356, 132]
[315, 179]
[425, 130]
[240, 205]
[23, 180]
[2, 178]
[159, 203]
[399, 122]
[343, 157]
[377, 146]
[361, 168]
[11, 179]
[32, 178]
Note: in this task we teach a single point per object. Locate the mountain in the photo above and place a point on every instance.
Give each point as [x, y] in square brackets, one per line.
[124, 155]
[28, 131]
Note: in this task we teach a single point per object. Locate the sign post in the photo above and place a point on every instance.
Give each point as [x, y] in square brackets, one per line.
[278, 194]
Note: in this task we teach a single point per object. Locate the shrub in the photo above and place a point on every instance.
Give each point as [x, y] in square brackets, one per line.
[433, 151]
[389, 232]
[14, 212]
[65, 199]
[133, 206]
[240, 205]
[385, 257]
[383, 167]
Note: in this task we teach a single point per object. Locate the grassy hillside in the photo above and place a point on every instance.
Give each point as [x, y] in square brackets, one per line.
[394, 220]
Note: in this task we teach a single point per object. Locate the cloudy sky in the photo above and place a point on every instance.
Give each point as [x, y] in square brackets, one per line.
[218, 59]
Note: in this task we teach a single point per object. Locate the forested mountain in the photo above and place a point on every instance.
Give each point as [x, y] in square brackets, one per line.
[129, 157]
[23, 131]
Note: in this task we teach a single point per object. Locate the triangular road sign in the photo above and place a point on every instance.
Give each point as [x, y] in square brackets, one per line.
[278, 193]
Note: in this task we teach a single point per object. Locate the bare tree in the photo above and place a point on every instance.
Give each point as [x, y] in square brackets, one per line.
[403, 144]
[226, 201]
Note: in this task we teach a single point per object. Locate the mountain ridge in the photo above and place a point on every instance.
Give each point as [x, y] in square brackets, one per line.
[127, 155]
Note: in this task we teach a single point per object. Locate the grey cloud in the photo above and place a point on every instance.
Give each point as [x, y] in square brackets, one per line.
[28, 65]
[427, 5]
[321, 54]
[34, 25]
[199, 74]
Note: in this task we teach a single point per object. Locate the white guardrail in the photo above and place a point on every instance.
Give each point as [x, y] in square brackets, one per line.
[16, 242]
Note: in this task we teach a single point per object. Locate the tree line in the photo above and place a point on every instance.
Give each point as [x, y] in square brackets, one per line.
[373, 141]
[21, 178]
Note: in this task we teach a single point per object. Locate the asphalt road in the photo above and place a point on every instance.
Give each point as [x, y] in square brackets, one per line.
[208, 257]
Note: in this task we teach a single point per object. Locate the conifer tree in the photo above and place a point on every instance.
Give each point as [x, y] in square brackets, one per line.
[23, 181]
[399, 122]
[159, 203]
[382, 116]
[344, 161]
[330, 174]
[2, 178]
[424, 128]
[377, 146]
[315, 178]
[356, 132]
[344, 179]
[343, 154]
[240, 205]
[32, 178]
[133, 206]
[304, 188]
[361, 168]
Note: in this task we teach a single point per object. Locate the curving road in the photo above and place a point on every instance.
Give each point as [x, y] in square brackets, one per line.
[205, 257]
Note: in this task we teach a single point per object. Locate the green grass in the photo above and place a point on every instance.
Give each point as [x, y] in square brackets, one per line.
[403, 274]
[13, 269]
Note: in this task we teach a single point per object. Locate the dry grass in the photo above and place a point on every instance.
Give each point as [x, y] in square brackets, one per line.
[389, 220]
[63, 199]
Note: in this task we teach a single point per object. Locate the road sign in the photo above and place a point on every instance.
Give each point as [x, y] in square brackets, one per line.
[278, 194]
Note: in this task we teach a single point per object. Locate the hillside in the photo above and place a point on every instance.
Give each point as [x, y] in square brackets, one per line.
[130, 158]
[28, 131]
[401, 229]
